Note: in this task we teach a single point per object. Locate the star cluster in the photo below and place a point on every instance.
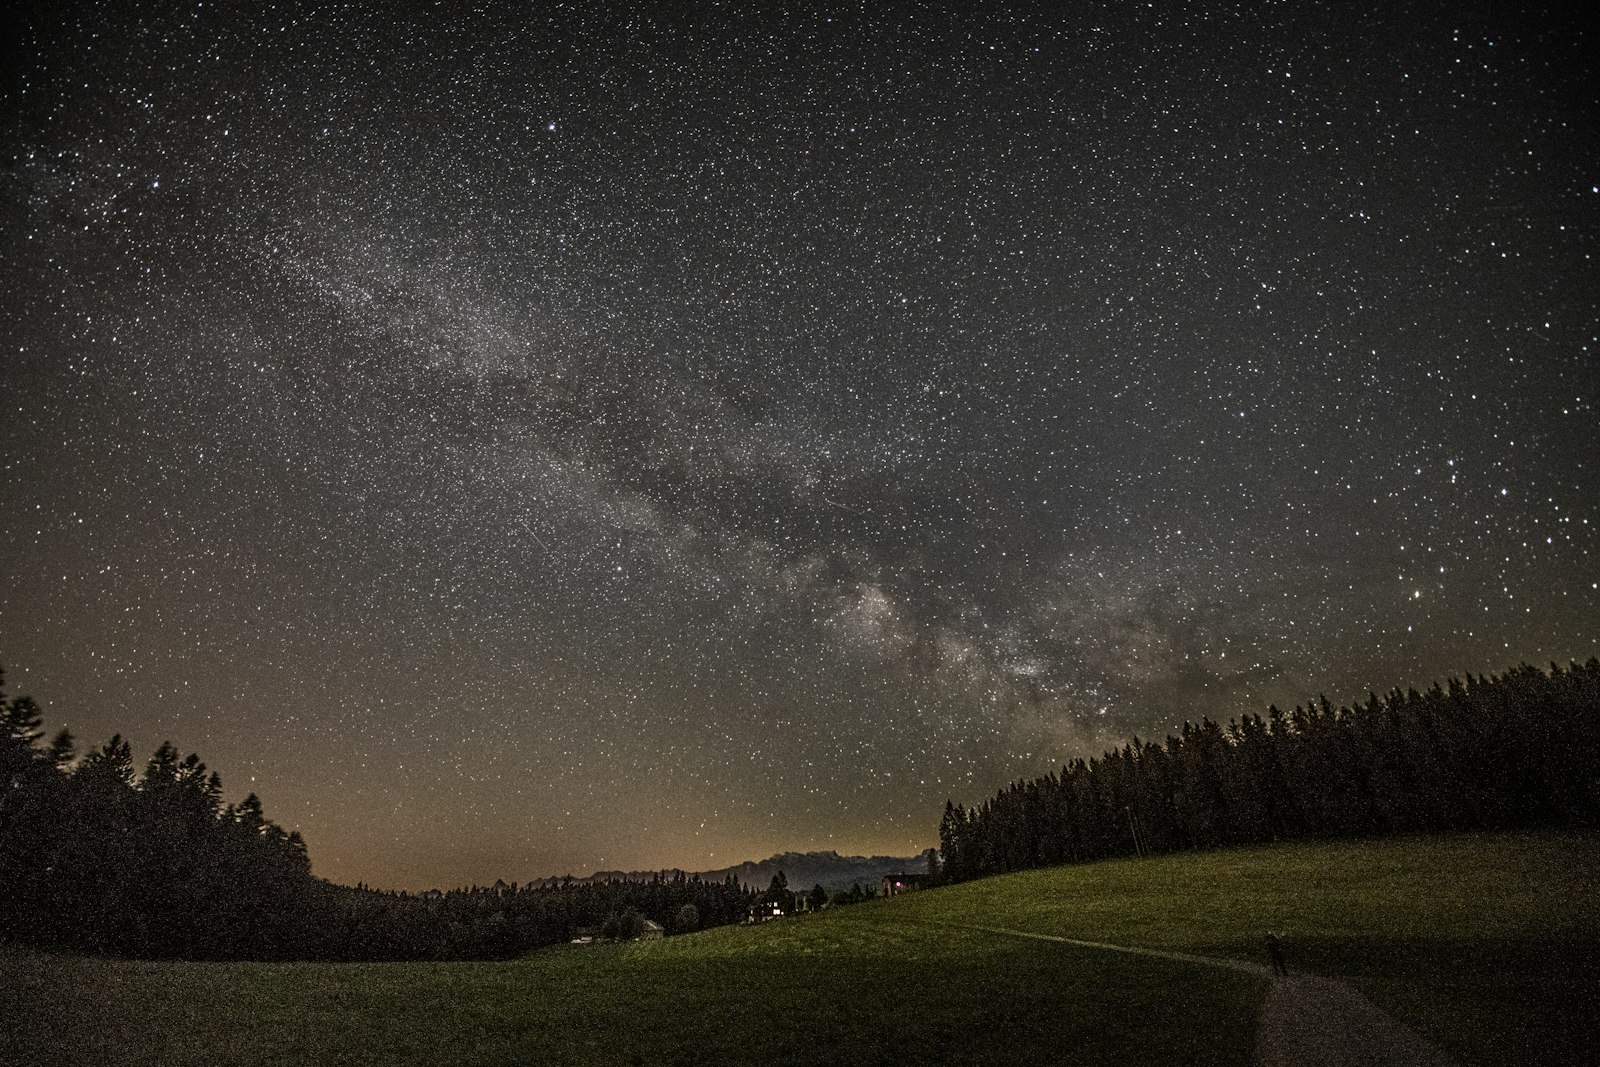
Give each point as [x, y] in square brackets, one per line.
[520, 440]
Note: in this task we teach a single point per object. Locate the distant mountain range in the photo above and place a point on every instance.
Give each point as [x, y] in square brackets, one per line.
[803, 870]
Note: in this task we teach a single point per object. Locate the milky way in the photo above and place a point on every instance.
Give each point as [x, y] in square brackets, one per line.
[517, 443]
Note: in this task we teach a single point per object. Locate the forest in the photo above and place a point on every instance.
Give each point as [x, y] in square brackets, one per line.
[96, 857]
[1497, 752]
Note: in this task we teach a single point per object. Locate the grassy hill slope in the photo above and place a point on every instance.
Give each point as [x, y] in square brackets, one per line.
[1482, 941]
[1488, 943]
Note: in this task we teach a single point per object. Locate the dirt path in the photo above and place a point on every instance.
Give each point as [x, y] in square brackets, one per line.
[1306, 1021]
[1182, 957]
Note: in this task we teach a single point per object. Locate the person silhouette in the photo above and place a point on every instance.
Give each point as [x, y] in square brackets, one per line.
[1275, 953]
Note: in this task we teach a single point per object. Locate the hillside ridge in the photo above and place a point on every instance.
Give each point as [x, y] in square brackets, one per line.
[802, 870]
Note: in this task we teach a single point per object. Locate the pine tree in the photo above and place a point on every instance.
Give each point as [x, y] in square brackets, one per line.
[61, 748]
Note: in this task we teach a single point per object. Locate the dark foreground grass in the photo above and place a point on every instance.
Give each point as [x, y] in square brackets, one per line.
[1486, 942]
[850, 988]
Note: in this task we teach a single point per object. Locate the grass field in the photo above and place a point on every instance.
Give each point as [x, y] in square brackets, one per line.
[1488, 943]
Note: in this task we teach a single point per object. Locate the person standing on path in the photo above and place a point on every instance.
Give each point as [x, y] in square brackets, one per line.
[1275, 953]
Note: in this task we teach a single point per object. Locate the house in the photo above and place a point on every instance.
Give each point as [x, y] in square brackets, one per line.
[652, 931]
[764, 910]
[895, 884]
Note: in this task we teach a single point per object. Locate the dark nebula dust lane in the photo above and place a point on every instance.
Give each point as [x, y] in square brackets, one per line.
[521, 440]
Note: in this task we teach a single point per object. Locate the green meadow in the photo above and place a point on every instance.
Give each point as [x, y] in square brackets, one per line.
[1488, 943]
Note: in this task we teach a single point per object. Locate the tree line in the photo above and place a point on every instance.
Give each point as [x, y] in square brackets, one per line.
[96, 856]
[1515, 750]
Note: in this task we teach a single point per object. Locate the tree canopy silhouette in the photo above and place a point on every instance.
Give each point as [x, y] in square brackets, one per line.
[1519, 749]
[95, 856]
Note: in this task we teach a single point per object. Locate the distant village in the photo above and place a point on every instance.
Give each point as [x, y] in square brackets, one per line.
[776, 903]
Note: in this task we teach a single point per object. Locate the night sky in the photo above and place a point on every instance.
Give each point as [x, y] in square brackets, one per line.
[520, 441]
